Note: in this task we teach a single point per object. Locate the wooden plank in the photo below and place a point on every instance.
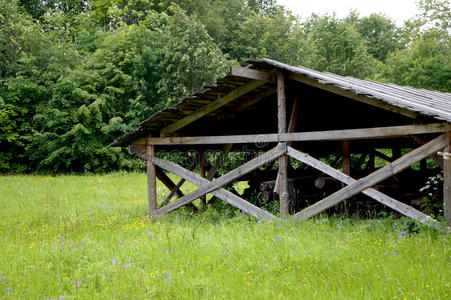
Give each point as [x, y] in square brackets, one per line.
[251, 74]
[447, 183]
[330, 135]
[203, 199]
[224, 179]
[291, 128]
[219, 161]
[346, 162]
[171, 186]
[350, 94]
[167, 181]
[383, 156]
[374, 178]
[376, 195]
[212, 106]
[282, 173]
[174, 190]
[434, 156]
[199, 181]
[151, 181]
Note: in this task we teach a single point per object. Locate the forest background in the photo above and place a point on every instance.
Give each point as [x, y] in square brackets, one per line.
[75, 75]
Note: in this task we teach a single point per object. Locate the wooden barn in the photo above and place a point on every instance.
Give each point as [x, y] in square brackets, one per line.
[335, 128]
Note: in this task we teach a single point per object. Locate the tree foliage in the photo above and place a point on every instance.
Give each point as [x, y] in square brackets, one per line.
[75, 75]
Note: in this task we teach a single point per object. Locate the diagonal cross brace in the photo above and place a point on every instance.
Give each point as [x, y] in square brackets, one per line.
[374, 178]
[219, 182]
[376, 195]
[219, 192]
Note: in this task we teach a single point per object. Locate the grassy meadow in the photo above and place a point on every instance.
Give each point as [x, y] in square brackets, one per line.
[88, 237]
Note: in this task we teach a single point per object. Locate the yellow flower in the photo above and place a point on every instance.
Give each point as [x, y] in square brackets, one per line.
[427, 285]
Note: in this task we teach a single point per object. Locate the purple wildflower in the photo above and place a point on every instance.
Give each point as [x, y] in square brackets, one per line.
[113, 260]
[168, 279]
[167, 272]
[166, 250]
[394, 253]
[278, 239]
[8, 289]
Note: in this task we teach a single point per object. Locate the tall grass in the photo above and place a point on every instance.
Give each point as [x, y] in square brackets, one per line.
[88, 237]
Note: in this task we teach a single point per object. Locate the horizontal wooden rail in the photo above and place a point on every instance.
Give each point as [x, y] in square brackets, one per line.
[331, 135]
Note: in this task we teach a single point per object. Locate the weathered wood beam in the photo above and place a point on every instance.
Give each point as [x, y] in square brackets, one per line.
[175, 190]
[167, 181]
[330, 135]
[251, 74]
[199, 181]
[383, 156]
[171, 186]
[447, 183]
[376, 195]
[151, 181]
[346, 162]
[224, 179]
[375, 177]
[219, 161]
[291, 128]
[212, 106]
[434, 156]
[350, 94]
[203, 199]
[283, 160]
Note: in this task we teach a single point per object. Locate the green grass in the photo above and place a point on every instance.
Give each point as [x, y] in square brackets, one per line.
[109, 248]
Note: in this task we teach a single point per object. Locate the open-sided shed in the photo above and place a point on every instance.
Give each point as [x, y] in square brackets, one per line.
[296, 112]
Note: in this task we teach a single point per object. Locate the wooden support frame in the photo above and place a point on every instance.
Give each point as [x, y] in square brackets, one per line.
[221, 181]
[151, 181]
[212, 106]
[221, 193]
[447, 183]
[175, 190]
[374, 178]
[376, 195]
[282, 174]
[251, 74]
[346, 162]
[330, 135]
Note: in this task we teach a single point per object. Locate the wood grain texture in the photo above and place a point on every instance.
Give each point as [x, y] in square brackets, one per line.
[329, 135]
[375, 177]
[199, 181]
[212, 106]
[226, 178]
[376, 195]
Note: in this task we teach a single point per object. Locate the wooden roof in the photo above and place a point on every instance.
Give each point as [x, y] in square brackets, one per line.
[403, 101]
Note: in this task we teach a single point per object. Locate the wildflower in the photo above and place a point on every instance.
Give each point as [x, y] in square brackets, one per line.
[278, 239]
[113, 260]
[341, 242]
[168, 279]
[338, 226]
[8, 289]
[166, 250]
[394, 253]
[126, 265]
[167, 272]
[60, 236]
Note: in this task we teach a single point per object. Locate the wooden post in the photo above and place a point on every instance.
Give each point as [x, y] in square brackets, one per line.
[151, 181]
[447, 183]
[346, 163]
[203, 199]
[283, 160]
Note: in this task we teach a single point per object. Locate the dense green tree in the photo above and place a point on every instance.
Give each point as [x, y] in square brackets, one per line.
[135, 71]
[338, 47]
[380, 35]
[426, 62]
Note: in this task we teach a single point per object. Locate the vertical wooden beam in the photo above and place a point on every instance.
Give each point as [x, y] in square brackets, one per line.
[203, 199]
[346, 163]
[282, 128]
[151, 181]
[447, 182]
